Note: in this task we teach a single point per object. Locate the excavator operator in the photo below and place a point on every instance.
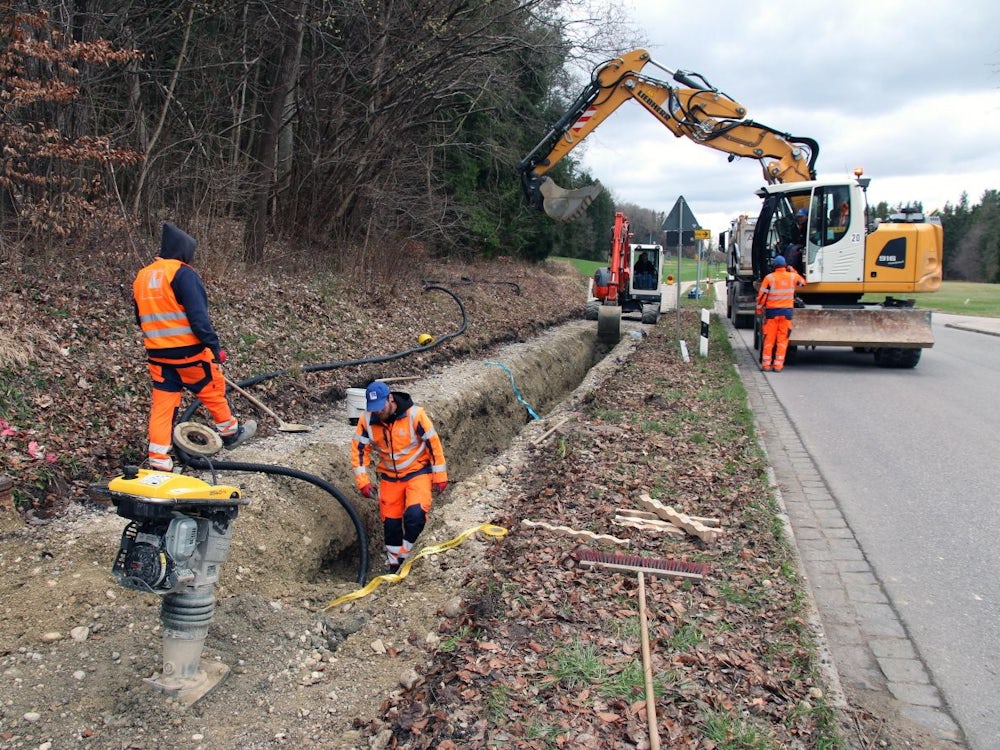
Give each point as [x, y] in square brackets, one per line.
[644, 273]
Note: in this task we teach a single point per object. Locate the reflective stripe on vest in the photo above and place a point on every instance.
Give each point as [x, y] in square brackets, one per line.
[164, 322]
[395, 461]
[780, 292]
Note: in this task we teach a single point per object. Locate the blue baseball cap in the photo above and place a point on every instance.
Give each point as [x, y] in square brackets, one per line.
[376, 394]
[802, 212]
[779, 261]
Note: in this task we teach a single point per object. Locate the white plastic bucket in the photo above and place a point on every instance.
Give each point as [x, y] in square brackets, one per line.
[355, 404]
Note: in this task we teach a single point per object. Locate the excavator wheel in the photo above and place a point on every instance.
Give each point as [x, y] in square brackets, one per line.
[609, 324]
[592, 310]
[903, 359]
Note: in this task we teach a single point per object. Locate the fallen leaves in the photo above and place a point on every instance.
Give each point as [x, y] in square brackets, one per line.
[717, 647]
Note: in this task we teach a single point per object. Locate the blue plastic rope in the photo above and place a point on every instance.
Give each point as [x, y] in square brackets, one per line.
[513, 385]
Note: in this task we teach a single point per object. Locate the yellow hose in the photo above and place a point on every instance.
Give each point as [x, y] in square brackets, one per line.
[497, 532]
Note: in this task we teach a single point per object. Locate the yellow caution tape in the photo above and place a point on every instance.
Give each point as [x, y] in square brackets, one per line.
[491, 530]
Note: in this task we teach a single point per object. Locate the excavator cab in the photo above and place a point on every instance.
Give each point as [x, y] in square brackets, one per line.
[845, 266]
[825, 246]
[646, 268]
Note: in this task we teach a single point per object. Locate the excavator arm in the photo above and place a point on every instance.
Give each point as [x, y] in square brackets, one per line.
[693, 109]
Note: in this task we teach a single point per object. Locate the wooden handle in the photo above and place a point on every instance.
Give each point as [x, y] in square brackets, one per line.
[252, 399]
[647, 669]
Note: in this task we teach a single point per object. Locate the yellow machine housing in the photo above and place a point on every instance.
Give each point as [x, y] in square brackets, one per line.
[169, 488]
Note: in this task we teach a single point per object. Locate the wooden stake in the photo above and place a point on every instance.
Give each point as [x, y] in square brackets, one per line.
[541, 438]
[647, 669]
[578, 534]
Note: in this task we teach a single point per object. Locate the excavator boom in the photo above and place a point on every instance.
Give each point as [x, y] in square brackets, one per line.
[692, 109]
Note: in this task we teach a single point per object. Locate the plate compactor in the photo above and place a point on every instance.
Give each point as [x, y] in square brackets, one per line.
[179, 533]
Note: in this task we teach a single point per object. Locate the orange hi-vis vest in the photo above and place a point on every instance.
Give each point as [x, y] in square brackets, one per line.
[777, 291]
[164, 322]
[406, 447]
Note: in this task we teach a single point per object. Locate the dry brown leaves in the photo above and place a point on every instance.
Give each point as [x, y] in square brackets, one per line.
[731, 645]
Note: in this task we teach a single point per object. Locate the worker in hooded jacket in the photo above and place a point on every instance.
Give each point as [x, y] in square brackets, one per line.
[409, 464]
[776, 302]
[183, 350]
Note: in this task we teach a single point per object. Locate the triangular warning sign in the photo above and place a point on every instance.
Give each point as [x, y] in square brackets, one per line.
[680, 219]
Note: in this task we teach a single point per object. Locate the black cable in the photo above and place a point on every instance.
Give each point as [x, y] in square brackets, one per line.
[323, 367]
[198, 462]
[467, 280]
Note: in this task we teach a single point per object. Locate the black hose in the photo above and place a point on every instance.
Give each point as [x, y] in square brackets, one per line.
[323, 367]
[205, 464]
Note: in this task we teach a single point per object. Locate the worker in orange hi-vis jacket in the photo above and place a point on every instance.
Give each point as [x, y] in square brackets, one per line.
[410, 464]
[171, 307]
[776, 302]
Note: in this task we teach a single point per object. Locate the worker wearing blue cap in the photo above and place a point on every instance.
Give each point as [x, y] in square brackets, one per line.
[410, 464]
[776, 302]
[795, 248]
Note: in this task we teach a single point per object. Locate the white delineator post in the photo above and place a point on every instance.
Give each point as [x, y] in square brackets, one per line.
[703, 341]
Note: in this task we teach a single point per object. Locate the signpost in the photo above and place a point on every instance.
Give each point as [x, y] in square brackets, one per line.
[699, 236]
[681, 220]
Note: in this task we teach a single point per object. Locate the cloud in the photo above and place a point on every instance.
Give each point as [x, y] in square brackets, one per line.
[908, 92]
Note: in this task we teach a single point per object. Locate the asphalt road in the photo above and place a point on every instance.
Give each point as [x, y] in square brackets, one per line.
[910, 458]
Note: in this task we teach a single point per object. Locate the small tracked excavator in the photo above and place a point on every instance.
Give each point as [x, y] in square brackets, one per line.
[845, 260]
[629, 283]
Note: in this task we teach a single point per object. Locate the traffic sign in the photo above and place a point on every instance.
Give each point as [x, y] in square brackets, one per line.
[703, 234]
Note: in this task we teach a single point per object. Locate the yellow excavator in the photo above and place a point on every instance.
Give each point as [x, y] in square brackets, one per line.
[842, 257]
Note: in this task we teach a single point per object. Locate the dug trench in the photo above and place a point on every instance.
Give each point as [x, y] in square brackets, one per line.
[294, 550]
[478, 407]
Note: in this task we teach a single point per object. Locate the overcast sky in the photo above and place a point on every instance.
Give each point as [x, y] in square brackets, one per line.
[910, 91]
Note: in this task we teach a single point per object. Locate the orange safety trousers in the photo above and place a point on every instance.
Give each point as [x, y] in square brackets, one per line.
[198, 374]
[776, 332]
[395, 497]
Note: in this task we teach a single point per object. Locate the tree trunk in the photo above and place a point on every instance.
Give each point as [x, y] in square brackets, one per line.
[263, 176]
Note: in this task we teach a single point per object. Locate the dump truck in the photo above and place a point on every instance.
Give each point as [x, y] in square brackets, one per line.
[845, 260]
[736, 244]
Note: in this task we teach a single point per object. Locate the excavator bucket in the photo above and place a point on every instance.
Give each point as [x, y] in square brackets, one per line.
[882, 327]
[565, 205]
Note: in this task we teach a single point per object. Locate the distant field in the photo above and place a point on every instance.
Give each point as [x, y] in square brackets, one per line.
[964, 298]
[689, 268]
[957, 297]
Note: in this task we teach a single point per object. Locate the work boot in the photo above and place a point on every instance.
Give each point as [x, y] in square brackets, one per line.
[246, 431]
[161, 464]
[394, 568]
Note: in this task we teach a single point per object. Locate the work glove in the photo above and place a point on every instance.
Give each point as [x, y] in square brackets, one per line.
[221, 357]
[368, 491]
[440, 487]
